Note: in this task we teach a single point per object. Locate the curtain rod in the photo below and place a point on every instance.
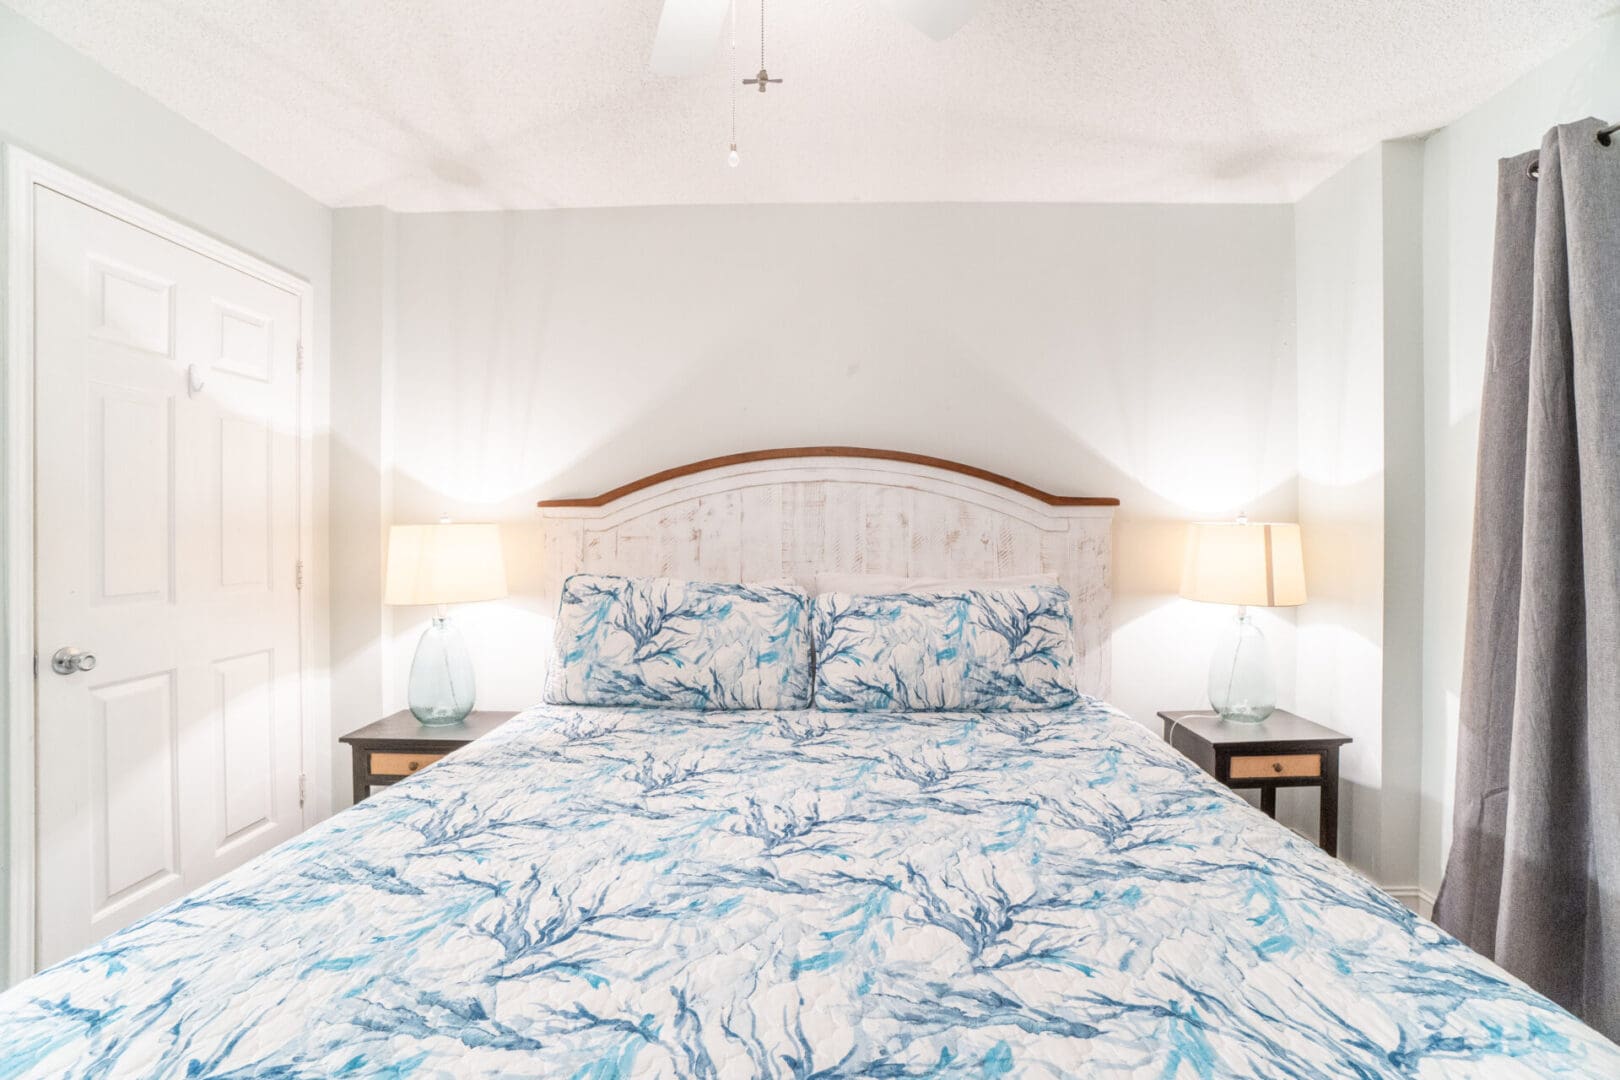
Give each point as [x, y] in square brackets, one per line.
[1605, 137]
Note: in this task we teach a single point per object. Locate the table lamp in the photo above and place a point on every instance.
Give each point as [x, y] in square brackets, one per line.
[1249, 564]
[443, 564]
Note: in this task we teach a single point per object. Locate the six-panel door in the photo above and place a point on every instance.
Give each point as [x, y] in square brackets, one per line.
[166, 505]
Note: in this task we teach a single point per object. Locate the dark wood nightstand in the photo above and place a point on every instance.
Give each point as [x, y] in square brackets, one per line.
[396, 746]
[1281, 751]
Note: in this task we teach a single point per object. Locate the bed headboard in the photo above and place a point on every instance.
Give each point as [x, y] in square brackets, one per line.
[791, 513]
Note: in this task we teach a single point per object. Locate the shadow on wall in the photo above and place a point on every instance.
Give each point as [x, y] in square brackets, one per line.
[1339, 637]
[500, 457]
[943, 330]
[357, 573]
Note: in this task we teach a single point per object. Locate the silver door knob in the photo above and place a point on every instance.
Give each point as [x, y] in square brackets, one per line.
[67, 660]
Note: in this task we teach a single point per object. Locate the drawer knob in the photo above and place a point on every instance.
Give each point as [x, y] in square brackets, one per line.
[413, 766]
[1276, 766]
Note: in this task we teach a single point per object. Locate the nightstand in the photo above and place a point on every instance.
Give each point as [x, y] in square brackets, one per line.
[1281, 751]
[396, 746]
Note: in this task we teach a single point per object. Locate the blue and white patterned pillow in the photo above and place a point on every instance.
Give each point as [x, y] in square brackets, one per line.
[661, 643]
[947, 650]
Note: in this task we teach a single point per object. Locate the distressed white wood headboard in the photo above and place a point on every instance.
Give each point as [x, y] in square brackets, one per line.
[775, 514]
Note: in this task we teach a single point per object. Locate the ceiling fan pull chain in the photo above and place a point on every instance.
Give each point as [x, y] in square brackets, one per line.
[763, 79]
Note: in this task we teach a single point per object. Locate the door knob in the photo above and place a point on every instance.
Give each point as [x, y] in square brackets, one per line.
[67, 660]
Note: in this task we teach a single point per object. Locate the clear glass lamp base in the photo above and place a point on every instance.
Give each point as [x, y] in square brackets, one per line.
[441, 685]
[1242, 685]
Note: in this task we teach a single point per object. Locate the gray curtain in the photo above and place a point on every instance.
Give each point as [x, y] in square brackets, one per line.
[1533, 879]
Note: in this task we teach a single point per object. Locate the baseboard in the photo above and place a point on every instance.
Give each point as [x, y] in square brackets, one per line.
[1418, 899]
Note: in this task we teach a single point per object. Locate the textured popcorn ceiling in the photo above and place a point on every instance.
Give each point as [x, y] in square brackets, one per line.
[451, 104]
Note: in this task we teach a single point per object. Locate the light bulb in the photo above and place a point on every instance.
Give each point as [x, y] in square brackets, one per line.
[733, 159]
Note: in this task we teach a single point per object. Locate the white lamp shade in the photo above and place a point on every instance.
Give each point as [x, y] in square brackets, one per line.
[1253, 564]
[444, 564]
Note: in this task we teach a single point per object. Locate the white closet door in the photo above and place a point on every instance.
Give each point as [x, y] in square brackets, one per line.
[166, 503]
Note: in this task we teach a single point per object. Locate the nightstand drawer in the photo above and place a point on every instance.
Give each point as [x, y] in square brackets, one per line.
[1272, 766]
[400, 764]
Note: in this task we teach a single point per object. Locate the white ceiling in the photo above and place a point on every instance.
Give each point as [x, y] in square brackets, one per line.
[449, 104]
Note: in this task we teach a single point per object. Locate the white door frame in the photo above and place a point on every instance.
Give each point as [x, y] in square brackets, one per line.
[23, 173]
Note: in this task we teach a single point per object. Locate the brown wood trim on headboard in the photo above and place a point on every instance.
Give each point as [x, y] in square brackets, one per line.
[782, 453]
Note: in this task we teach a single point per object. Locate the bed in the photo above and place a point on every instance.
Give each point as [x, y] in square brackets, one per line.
[603, 891]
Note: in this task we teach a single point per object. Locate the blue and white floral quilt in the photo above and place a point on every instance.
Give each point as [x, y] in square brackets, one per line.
[603, 893]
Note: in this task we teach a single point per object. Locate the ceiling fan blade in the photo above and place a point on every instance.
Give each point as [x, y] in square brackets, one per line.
[939, 19]
[688, 32]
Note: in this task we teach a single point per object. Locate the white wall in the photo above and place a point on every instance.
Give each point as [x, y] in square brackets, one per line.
[1360, 493]
[1140, 352]
[1459, 216]
[59, 105]
[1404, 508]
[363, 338]
[1338, 241]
